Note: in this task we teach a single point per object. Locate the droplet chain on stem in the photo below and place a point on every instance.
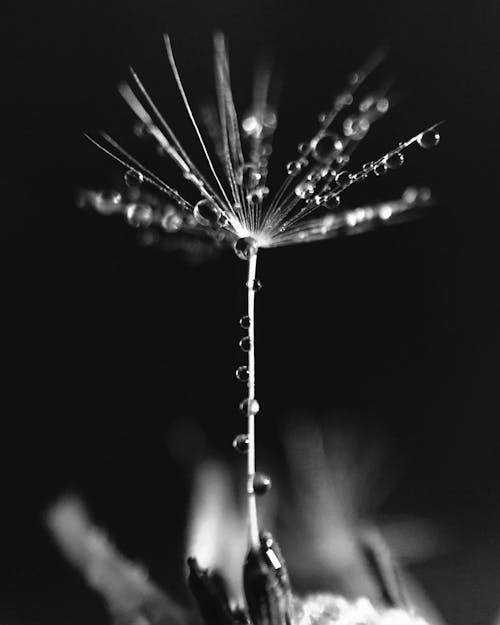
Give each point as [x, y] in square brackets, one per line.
[252, 504]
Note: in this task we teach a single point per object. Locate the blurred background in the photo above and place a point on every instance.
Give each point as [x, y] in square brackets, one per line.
[116, 356]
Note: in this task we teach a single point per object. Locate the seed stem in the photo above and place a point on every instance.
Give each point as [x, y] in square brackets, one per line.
[252, 504]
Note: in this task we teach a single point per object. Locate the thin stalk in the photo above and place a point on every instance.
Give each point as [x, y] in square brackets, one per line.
[252, 504]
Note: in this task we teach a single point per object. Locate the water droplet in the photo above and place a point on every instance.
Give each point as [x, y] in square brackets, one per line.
[259, 123]
[344, 99]
[257, 194]
[319, 200]
[343, 178]
[249, 176]
[304, 190]
[249, 407]
[223, 221]
[139, 215]
[322, 117]
[245, 344]
[105, 202]
[261, 483]
[356, 127]
[245, 247]
[429, 139]
[171, 220]
[242, 373]
[333, 202]
[133, 177]
[256, 285]
[245, 322]
[303, 147]
[326, 147]
[385, 212]
[395, 160]
[241, 443]
[414, 195]
[354, 78]
[206, 213]
[380, 169]
[141, 130]
[294, 167]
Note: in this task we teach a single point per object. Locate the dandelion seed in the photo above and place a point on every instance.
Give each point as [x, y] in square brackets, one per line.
[234, 205]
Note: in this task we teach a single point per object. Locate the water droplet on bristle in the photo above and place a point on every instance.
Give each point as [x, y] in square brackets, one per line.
[326, 147]
[241, 443]
[132, 177]
[395, 160]
[245, 344]
[245, 322]
[206, 213]
[414, 195]
[139, 215]
[256, 285]
[343, 178]
[261, 483]
[171, 220]
[304, 190]
[249, 407]
[333, 202]
[242, 373]
[249, 176]
[294, 167]
[429, 139]
[245, 247]
[380, 169]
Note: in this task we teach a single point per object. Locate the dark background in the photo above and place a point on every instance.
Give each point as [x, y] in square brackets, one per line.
[107, 345]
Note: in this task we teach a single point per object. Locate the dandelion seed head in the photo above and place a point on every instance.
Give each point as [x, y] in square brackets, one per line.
[235, 201]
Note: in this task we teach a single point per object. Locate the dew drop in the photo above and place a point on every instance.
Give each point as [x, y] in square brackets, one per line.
[241, 443]
[356, 127]
[343, 178]
[256, 285]
[414, 195]
[245, 247]
[395, 160]
[294, 167]
[326, 147]
[171, 220]
[385, 212]
[249, 176]
[333, 202]
[261, 484]
[245, 322]
[257, 194]
[380, 169]
[242, 373]
[133, 177]
[249, 407]
[429, 139]
[105, 202]
[245, 344]
[139, 215]
[206, 213]
[142, 130]
[304, 190]
[344, 99]
[319, 200]
[303, 147]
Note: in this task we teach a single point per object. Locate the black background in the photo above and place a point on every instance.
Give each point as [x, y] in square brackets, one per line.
[106, 344]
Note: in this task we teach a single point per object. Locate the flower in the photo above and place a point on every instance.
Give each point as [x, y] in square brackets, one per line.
[231, 589]
[234, 205]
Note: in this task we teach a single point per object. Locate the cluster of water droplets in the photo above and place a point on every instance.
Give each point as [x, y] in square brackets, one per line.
[235, 206]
